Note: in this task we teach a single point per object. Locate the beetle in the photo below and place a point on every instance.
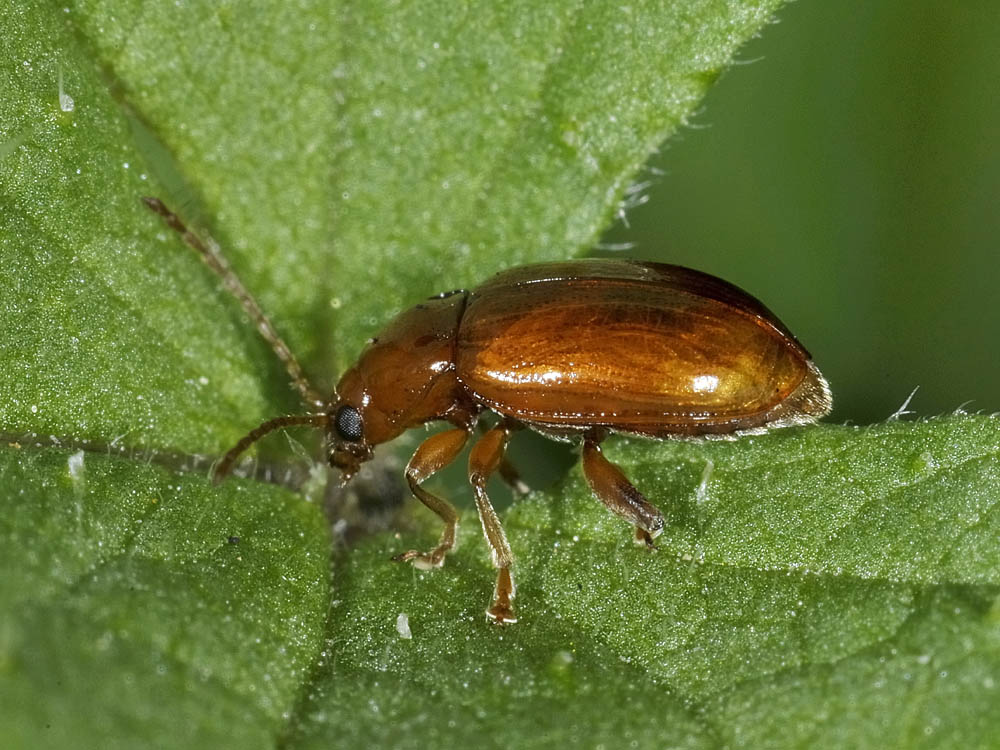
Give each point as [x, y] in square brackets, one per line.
[574, 350]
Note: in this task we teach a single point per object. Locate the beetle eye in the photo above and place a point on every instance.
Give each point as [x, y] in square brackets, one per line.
[348, 423]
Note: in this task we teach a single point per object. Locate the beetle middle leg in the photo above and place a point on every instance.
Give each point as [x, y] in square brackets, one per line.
[508, 472]
[431, 456]
[485, 458]
[618, 494]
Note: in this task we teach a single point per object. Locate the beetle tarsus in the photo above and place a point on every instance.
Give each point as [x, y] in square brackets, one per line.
[501, 611]
[425, 560]
[644, 539]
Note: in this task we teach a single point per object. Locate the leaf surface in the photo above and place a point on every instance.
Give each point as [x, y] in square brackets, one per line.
[826, 586]
[813, 587]
[351, 159]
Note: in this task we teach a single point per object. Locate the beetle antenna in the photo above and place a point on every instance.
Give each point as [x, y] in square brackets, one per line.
[214, 259]
[224, 466]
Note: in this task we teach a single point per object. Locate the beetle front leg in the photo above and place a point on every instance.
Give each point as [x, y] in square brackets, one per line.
[619, 495]
[434, 454]
[484, 458]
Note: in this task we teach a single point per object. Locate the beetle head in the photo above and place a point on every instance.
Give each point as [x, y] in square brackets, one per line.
[347, 446]
[355, 424]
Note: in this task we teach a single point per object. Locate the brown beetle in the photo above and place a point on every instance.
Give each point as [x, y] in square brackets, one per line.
[574, 350]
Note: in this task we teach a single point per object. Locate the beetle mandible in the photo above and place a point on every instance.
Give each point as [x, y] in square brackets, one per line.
[574, 350]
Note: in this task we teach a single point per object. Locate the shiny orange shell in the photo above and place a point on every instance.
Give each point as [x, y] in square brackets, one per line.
[645, 348]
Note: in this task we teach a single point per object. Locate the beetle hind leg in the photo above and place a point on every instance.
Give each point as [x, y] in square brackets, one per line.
[485, 458]
[619, 495]
[431, 456]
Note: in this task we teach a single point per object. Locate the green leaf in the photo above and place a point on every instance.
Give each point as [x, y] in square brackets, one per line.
[352, 160]
[141, 606]
[819, 587]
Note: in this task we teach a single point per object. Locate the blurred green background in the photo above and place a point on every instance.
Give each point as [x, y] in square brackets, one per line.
[849, 177]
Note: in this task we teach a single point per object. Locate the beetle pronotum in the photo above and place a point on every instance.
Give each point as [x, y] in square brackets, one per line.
[573, 350]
